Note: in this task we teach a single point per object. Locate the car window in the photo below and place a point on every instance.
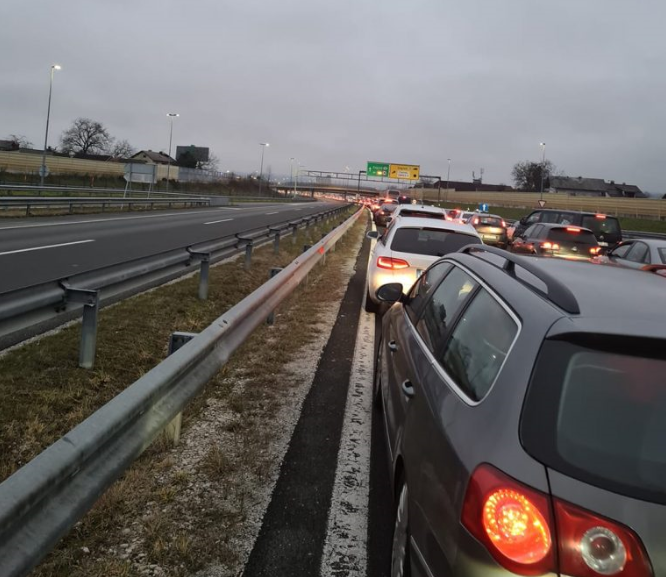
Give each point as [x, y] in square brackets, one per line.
[661, 252]
[566, 218]
[639, 253]
[448, 298]
[421, 213]
[425, 284]
[603, 225]
[430, 241]
[551, 217]
[532, 231]
[478, 346]
[572, 234]
[533, 218]
[621, 251]
[486, 220]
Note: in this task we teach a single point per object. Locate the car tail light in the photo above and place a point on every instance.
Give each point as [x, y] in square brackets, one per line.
[515, 523]
[512, 520]
[594, 250]
[573, 229]
[601, 216]
[590, 545]
[503, 223]
[391, 263]
[550, 246]
[476, 220]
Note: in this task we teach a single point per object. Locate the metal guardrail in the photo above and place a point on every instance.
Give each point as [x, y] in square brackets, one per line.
[34, 202]
[45, 498]
[92, 191]
[643, 234]
[31, 310]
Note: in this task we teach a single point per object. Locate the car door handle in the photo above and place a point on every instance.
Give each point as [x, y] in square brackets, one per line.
[392, 345]
[407, 388]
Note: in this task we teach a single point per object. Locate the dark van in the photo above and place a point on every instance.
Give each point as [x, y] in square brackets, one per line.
[606, 229]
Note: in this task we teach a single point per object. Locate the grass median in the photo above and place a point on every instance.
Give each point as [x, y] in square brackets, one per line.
[150, 522]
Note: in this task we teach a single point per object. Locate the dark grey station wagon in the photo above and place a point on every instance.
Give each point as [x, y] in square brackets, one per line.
[524, 410]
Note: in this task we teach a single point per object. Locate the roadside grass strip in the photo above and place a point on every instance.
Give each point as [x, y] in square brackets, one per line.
[179, 509]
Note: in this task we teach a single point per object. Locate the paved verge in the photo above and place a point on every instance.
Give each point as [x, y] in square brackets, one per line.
[294, 528]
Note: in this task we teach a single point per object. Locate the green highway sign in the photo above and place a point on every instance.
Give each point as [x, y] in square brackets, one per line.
[377, 169]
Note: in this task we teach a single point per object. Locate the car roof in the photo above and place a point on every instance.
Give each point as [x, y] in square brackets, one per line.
[652, 242]
[572, 212]
[604, 293]
[420, 222]
[420, 208]
[480, 214]
[557, 225]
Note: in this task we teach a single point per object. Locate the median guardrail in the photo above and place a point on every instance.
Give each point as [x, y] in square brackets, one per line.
[71, 202]
[45, 498]
[31, 310]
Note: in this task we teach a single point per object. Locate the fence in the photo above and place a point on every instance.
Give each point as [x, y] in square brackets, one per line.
[635, 207]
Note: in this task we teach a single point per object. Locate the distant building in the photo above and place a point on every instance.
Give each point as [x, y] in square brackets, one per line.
[151, 157]
[579, 186]
[9, 145]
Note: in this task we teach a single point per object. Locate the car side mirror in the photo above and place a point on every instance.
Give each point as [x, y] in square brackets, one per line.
[373, 235]
[391, 292]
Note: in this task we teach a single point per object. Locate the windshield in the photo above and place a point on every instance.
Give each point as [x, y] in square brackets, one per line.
[600, 226]
[488, 221]
[596, 411]
[430, 241]
[576, 236]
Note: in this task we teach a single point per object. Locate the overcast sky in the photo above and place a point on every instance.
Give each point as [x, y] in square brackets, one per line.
[340, 83]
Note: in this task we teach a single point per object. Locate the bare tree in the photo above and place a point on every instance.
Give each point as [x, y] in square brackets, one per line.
[122, 149]
[527, 175]
[211, 164]
[86, 136]
[19, 141]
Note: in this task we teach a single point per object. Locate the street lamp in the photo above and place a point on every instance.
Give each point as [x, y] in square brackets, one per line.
[263, 145]
[43, 168]
[543, 161]
[171, 116]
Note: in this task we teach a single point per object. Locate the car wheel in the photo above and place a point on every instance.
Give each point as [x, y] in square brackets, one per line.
[400, 565]
[369, 305]
[377, 385]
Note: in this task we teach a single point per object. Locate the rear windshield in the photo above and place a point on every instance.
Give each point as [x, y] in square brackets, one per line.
[600, 226]
[567, 235]
[421, 213]
[595, 411]
[489, 221]
[389, 207]
[661, 252]
[430, 241]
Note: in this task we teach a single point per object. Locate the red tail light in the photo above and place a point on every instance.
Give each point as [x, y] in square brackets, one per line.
[514, 522]
[391, 263]
[591, 545]
[573, 229]
[601, 216]
[476, 220]
[550, 246]
[503, 223]
[594, 250]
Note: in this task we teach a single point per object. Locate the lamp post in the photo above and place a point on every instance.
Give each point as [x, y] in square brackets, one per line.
[543, 161]
[263, 145]
[171, 116]
[43, 168]
[447, 182]
[291, 171]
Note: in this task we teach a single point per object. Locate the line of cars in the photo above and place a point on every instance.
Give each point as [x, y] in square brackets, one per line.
[523, 403]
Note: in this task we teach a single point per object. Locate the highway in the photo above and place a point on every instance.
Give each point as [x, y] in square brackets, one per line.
[39, 250]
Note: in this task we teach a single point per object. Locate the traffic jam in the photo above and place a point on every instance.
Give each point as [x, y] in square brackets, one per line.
[520, 379]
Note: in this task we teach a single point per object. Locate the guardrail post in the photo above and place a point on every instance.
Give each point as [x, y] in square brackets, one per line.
[88, 298]
[270, 320]
[276, 240]
[204, 274]
[174, 428]
[295, 230]
[248, 254]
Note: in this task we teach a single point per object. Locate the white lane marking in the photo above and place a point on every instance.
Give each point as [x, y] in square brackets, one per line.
[46, 246]
[276, 212]
[216, 221]
[345, 547]
[103, 220]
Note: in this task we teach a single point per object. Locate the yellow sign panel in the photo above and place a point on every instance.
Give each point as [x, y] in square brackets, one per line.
[405, 171]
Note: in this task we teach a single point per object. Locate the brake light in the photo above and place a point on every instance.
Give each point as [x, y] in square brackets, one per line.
[391, 263]
[550, 246]
[601, 216]
[512, 520]
[503, 223]
[476, 220]
[573, 229]
[594, 250]
[591, 545]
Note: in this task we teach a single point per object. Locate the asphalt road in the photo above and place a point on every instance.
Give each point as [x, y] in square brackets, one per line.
[36, 250]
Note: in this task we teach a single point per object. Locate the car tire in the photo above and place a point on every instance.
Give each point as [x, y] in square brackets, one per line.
[377, 384]
[369, 305]
[400, 565]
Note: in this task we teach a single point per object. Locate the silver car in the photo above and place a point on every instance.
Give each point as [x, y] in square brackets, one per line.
[524, 412]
